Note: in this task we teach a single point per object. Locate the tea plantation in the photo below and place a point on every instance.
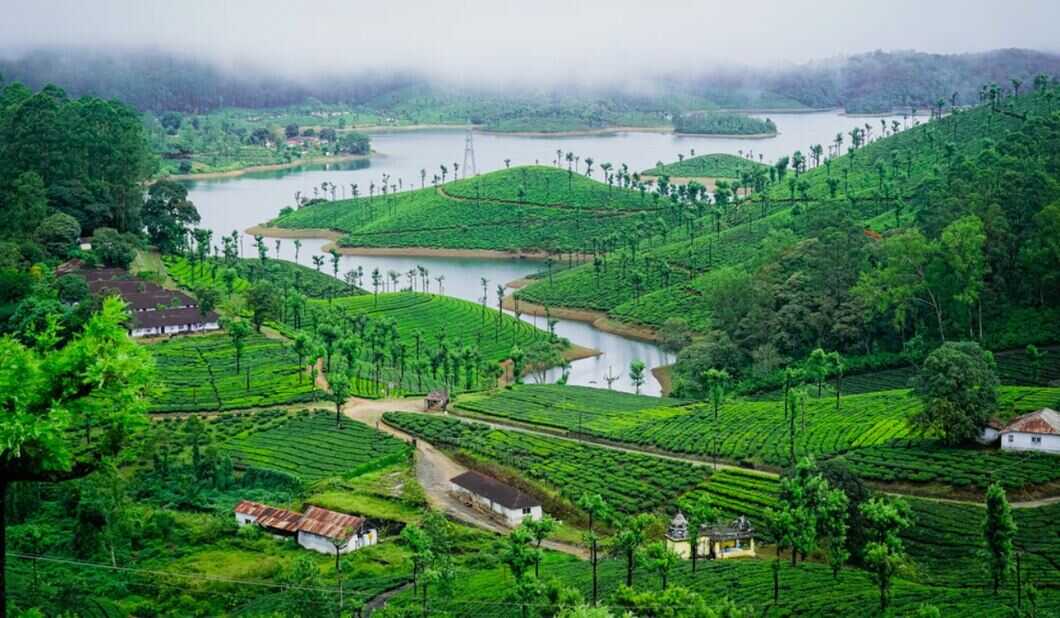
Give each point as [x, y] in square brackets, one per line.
[714, 165]
[199, 373]
[309, 446]
[630, 482]
[521, 209]
[870, 432]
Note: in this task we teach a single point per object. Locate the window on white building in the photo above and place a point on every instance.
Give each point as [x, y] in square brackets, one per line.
[526, 511]
[1011, 438]
[1036, 439]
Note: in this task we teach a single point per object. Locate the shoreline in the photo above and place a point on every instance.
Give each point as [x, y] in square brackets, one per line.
[597, 319]
[664, 376]
[271, 167]
[731, 135]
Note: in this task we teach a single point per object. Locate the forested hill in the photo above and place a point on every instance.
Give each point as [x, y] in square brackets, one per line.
[884, 81]
[877, 81]
[945, 230]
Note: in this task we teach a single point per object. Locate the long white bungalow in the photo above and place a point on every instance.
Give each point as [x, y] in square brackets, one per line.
[479, 490]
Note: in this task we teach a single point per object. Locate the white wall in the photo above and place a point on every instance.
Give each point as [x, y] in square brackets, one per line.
[1018, 441]
[513, 516]
[323, 544]
[243, 519]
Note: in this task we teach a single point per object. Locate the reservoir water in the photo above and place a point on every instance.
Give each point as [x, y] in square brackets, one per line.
[238, 202]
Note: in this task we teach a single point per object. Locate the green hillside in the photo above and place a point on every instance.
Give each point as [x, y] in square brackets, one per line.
[525, 208]
[816, 258]
[714, 165]
[417, 342]
[870, 432]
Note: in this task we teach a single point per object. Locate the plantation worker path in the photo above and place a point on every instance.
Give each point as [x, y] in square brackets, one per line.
[434, 468]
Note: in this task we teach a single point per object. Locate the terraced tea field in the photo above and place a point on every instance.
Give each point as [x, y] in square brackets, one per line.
[309, 446]
[281, 273]
[461, 322]
[631, 483]
[564, 407]
[199, 373]
[870, 431]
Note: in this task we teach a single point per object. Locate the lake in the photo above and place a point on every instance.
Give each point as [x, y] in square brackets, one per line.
[239, 202]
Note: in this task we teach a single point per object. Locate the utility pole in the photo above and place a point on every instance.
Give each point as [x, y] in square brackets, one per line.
[469, 153]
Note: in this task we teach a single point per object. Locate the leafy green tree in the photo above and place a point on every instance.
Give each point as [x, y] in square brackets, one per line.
[962, 244]
[957, 386]
[1035, 356]
[885, 519]
[714, 382]
[539, 530]
[699, 512]
[58, 234]
[99, 379]
[816, 368]
[999, 530]
[636, 374]
[595, 506]
[909, 276]
[168, 215]
[263, 300]
[238, 331]
[627, 542]
[339, 393]
[112, 248]
[662, 560]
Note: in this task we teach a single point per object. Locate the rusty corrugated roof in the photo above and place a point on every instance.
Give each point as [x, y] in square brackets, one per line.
[329, 524]
[1045, 420]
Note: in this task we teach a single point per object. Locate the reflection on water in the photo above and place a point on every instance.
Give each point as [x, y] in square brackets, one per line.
[236, 203]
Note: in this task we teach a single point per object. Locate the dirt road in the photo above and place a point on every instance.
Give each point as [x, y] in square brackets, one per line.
[434, 468]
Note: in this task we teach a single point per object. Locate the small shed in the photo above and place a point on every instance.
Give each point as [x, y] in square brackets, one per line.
[478, 490]
[1037, 431]
[437, 400]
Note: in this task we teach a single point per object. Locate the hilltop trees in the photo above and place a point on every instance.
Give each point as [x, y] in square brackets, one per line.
[168, 214]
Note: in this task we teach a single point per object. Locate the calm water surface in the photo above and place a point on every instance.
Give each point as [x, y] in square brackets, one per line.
[236, 203]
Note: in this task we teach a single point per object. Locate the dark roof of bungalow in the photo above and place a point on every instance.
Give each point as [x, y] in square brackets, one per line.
[496, 491]
[171, 317]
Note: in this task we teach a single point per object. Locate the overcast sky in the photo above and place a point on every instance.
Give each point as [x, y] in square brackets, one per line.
[528, 39]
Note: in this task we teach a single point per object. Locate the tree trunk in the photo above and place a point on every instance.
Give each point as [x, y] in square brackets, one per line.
[3, 546]
[593, 556]
[629, 568]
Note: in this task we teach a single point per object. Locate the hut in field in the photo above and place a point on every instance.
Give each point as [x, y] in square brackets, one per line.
[480, 491]
[437, 400]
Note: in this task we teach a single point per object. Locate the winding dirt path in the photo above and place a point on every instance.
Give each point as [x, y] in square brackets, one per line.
[434, 468]
[441, 460]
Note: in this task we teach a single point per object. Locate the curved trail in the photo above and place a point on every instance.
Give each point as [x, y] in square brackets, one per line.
[434, 468]
[371, 412]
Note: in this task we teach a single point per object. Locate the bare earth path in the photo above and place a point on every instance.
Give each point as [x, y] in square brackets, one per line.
[434, 468]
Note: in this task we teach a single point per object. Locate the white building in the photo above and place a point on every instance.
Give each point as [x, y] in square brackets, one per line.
[329, 532]
[479, 490]
[321, 530]
[1037, 431]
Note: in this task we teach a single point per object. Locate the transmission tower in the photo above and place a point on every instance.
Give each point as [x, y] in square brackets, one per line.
[469, 154]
